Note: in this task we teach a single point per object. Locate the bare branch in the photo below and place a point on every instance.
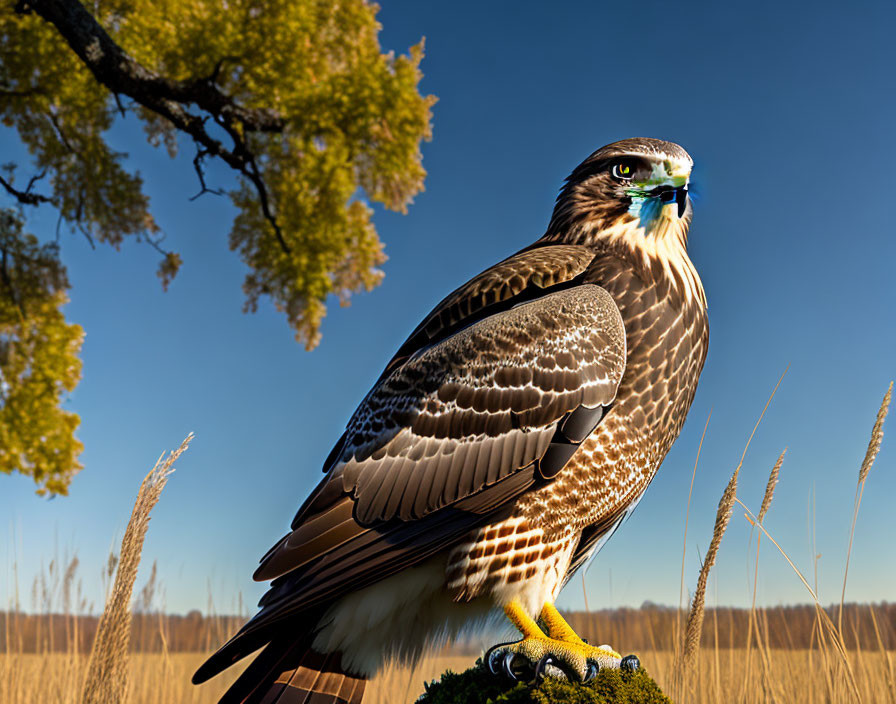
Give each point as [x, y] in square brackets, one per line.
[155, 244]
[121, 109]
[200, 174]
[25, 197]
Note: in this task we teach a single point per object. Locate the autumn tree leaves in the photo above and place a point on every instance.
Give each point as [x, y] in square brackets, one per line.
[296, 97]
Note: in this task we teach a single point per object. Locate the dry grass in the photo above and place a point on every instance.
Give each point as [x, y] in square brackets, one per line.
[793, 676]
[156, 678]
[877, 436]
[693, 631]
[694, 628]
[397, 684]
[106, 681]
[763, 510]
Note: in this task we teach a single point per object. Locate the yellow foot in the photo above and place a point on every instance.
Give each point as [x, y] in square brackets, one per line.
[559, 653]
[533, 658]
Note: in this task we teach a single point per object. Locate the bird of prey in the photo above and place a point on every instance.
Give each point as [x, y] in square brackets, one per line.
[502, 445]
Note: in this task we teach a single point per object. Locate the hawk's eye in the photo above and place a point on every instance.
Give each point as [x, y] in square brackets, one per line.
[624, 170]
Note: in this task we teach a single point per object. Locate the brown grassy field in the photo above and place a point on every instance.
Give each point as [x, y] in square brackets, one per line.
[722, 676]
[836, 655]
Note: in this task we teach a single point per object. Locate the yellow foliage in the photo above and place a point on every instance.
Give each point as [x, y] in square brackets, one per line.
[38, 362]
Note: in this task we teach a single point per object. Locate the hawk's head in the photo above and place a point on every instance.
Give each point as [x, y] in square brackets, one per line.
[637, 185]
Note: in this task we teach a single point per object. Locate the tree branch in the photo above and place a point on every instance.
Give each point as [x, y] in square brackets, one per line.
[122, 75]
[54, 121]
[200, 174]
[25, 197]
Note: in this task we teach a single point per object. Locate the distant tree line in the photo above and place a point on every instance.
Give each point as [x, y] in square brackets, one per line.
[60, 633]
[648, 628]
[786, 627]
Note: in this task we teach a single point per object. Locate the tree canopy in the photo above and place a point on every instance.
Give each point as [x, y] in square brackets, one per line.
[295, 96]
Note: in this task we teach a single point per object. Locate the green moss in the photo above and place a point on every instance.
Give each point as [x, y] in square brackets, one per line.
[478, 686]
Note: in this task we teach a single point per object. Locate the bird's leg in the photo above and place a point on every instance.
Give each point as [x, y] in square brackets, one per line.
[559, 629]
[557, 626]
[559, 652]
[523, 622]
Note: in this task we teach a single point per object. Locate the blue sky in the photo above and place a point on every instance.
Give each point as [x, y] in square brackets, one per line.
[788, 115]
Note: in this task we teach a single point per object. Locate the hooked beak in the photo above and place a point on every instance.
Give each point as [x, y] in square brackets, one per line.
[664, 194]
[672, 194]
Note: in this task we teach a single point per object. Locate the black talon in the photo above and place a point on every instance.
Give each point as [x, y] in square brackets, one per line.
[591, 670]
[492, 658]
[540, 667]
[550, 666]
[517, 667]
[630, 663]
[506, 663]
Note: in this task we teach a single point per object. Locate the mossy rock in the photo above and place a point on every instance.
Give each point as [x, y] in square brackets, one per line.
[479, 686]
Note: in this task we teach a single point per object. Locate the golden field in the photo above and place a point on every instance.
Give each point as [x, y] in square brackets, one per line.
[722, 676]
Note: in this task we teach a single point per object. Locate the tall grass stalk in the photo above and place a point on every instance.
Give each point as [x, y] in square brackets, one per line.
[877, 436]
[766, 504]
[687, 516]
[106, 681]
[694, 626]
[830, 630]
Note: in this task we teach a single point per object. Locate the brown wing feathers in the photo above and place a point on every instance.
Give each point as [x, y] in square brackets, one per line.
[441, 442]
[493, 392]
[523, 276]
[482, 404]
[370, 556]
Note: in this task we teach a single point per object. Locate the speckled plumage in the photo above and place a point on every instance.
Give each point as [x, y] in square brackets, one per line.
[507, 438]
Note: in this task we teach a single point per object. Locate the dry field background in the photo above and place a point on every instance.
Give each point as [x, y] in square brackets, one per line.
[722, 676]
[133, 654]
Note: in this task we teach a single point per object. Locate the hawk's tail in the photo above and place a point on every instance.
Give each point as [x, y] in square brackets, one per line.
[292, 673]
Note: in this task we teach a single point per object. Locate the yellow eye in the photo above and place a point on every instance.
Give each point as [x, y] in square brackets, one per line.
[623, 170]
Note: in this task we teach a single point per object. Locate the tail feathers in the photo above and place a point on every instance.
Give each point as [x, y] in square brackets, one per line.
[238, 647]
[293, 674]
[317, 679]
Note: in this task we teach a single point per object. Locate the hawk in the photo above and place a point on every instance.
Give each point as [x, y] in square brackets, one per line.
[502, 445]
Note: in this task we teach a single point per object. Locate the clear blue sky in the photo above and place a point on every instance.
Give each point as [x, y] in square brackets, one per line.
[788, 113]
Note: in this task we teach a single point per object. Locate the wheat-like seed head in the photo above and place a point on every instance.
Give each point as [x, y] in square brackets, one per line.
[106, 681]
[694, 627]
[877, 435]
[770, 487]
